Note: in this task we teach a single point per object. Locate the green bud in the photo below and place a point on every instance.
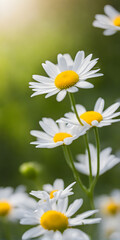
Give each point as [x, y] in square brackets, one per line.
[30, 169]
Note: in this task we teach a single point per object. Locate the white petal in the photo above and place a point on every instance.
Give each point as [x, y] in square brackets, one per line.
[62, 63]
[73, 208]
[53, 67]
[103, 19]
[100, 25]
[110, 11]
[33, 232]
[99, 105]
[42, 79]
[58, 184]
[78, 60]
[109, 32]
[85, 63]
[74, 234]
[111, 109]
[72, 89]
[86, 214]
[48, 70]
[61, 95]
[68, 59]
[52, 93]
[84, 84]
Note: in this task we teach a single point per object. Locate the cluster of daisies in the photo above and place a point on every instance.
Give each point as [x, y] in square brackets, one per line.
[52, 217]
[50, 214]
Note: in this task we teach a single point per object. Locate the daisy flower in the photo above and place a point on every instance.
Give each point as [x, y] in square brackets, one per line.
[14, 203]
[110, 22]
[107, 161]
[66, 76]
[69, 234]
[97, 117]
[55, 135]
[56, 216]
[57, 191]
[109, 206]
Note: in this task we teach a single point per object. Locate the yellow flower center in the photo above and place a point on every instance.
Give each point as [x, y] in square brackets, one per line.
[91, 116]
[66, 79]
[112, 208]
[5, 208]
[51, 194]
[61, 136]
[116, 21]
[53, 220]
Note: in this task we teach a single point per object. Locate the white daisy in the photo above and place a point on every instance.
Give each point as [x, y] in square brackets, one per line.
[13, 204]
[55, 135]
[98, 117]
[56, 216]
[69, 234]
[66, 76]
[57, 191]
[109, 206]
[111, 22]
[107, 161]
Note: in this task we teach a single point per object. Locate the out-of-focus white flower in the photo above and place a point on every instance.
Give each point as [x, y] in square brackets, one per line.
[56, 135]
[98, 117]
[110, 22]
[57, 192]
[55, 216]
[66, 76]
[109, 206]
[107, 161]
[14, 203]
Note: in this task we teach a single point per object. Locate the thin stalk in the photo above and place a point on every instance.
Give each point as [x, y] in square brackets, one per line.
[98, 158]
[72, 101]
[69, 160]
[89, 158]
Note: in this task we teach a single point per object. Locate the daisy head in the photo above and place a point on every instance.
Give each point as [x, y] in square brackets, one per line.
[107, 161]
[14, 203]
[55, 134]
[54, 192]
[67, 75]
[109, 205]
[110, 22]
[97, 117]
[52, 217]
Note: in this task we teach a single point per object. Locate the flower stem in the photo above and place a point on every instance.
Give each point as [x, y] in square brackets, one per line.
[72, 101]
[98, 158]
[70, 161]
[89, 158]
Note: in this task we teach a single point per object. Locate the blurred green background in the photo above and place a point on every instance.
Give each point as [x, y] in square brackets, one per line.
[31, 32]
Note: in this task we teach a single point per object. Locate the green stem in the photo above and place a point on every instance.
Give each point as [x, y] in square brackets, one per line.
[70, 161]
[98, 158]
[89, 158]
[72, 101]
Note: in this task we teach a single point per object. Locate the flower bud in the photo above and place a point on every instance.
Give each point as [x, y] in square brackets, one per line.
[30, 169]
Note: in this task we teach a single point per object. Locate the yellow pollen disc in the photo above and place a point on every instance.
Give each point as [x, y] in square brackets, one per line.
[53, 220]
[5, 208]
[116, 21]
[91, 116]
[111, 208]
[61, 136]
[66, 79]
[51, 194]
